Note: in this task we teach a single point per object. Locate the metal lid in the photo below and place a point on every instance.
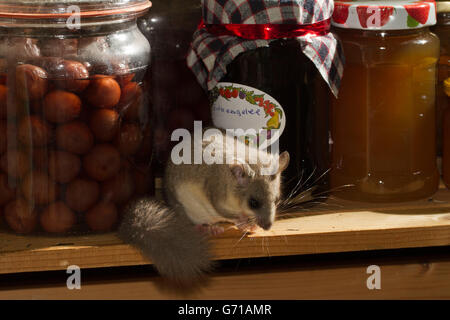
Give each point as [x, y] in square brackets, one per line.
[443, 6]
[384, 15]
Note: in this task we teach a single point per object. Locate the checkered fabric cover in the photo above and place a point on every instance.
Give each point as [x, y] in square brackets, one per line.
[210, 55]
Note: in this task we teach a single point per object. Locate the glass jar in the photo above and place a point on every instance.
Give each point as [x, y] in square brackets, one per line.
[446, 137]
[283, 72]
[269, 86]
[74, 116]
[177, 98]
[442, 30]
[383, 124]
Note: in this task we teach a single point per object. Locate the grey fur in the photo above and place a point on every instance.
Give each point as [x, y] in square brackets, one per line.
[178, 251]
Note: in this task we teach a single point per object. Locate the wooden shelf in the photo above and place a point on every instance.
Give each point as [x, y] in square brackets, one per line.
[336, 226]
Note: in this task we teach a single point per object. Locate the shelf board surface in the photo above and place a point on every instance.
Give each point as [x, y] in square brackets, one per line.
[335, 226]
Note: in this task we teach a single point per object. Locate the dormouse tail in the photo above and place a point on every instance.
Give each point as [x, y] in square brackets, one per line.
[168, 238]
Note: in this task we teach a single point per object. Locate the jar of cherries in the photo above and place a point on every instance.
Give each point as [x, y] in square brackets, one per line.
[75, 142]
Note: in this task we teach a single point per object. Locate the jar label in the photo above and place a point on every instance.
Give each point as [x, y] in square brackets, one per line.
[235, 106]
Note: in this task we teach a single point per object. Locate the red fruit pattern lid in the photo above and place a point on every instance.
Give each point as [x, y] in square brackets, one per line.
[384, 15]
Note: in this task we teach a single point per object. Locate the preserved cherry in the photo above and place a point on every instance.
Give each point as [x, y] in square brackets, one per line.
[102, 163]
[103, 92]
[105, 124]
[61, 106]
[123, 80]
[82, 194]
[74, 137]
[6, 192]
[15, 163]
[73, 74]
[102, 217]
[63, 166]
[31, 82]
[38, 188]
[40, 159]
[119, 189]
[130, 92]
[21, 216]
[33, 131]
[57, 218]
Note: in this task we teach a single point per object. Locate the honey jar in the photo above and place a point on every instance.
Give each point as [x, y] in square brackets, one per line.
[74, 120]
[446, 137]
[442, 30]
[383, 123]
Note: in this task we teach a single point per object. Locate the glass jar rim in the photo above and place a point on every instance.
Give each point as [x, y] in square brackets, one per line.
[60, 9]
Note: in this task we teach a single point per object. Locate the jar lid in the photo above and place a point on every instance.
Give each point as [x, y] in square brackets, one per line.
[384, 15]
[211, 53]
[443, 6]
[58, 9]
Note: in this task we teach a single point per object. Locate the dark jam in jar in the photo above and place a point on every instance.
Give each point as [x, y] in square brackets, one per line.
[283, 72]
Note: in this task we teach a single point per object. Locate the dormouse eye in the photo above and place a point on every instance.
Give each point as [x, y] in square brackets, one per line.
[254, 204]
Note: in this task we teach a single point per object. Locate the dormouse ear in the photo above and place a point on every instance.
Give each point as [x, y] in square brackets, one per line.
[239, 173]
[283, 161]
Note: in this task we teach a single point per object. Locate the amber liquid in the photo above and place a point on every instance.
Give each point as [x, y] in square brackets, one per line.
[446, 140]
[383, 124]
[442, 30]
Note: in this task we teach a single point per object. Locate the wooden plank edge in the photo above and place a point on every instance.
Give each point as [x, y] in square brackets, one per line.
[59, 258]
[399, 280]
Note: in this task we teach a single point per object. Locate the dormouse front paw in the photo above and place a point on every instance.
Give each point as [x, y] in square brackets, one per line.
[212, 230]
[246, 224]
